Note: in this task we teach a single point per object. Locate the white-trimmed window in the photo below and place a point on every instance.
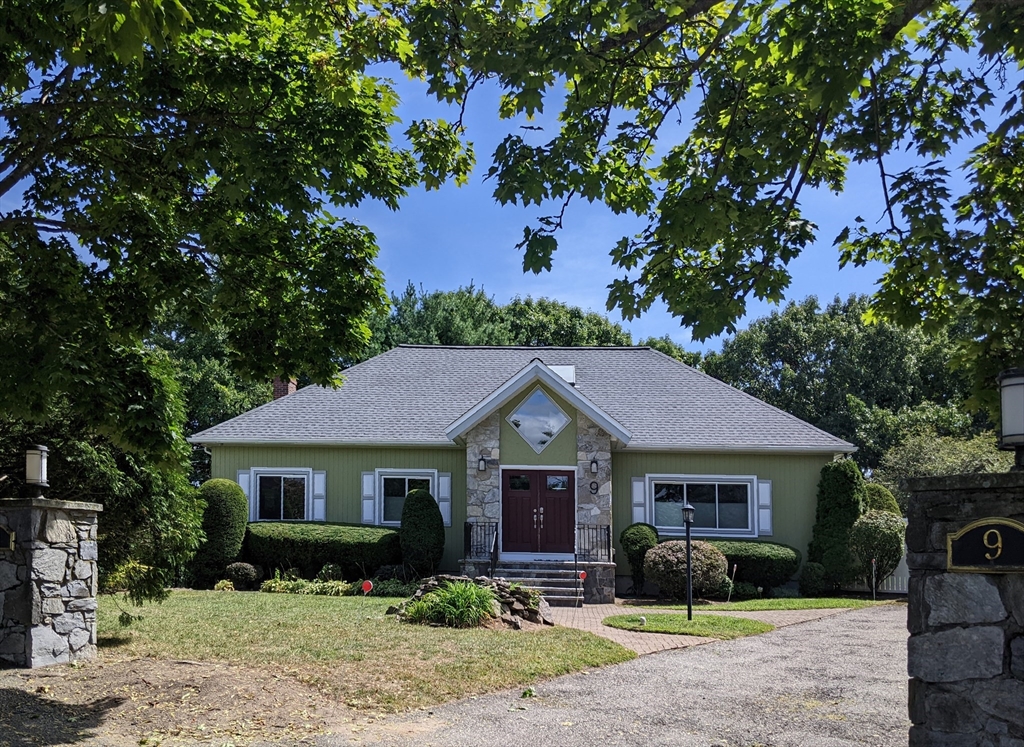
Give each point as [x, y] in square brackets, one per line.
[724, 505]
[394, 485]
[280, 494]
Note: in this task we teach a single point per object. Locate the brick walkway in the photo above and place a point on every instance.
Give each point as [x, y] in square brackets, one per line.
[589, 617]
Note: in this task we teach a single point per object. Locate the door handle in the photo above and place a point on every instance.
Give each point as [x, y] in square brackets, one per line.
[534, 518]
[541, 517]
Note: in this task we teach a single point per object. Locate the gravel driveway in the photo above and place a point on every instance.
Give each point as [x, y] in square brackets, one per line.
[841, 680]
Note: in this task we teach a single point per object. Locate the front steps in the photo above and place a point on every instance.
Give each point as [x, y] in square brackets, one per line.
[556, 581]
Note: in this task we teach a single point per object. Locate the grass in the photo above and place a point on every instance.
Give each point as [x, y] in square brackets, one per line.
[349, 646]
[801, 603]
[706, 626]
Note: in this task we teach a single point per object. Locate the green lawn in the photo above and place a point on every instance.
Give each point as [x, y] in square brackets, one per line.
[808, 603]
[368, 659]
[706, 626]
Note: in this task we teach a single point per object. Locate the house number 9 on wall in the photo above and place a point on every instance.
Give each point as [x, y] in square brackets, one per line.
[993, 540]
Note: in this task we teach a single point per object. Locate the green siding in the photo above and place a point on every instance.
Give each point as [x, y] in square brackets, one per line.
[794, 487]
[515, 450]
[344, 467]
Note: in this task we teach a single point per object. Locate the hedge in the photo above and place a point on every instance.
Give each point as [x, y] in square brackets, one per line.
[309, 546]
[764, 564]
[224, 518]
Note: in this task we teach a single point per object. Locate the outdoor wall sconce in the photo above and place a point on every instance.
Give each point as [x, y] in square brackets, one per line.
[1011, 414]
[482, 464]
[593, 466]
[35, 469]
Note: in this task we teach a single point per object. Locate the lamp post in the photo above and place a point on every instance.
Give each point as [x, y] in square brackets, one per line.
[688, 512]
[1011, 414]
[35, 470]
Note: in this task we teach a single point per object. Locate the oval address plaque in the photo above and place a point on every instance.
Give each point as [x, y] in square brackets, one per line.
[993, 545]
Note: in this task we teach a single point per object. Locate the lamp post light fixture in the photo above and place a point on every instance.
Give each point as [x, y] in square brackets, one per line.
[593, 466]
[35, 469]
[1011, 414]
[688, 512]
[481, 464]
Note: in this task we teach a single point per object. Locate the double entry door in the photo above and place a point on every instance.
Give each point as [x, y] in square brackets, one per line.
[538, 511]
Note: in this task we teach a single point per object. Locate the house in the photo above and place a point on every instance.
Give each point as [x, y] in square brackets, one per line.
[542, 454]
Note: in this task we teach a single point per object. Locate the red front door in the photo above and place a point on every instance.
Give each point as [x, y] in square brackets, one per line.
[538, 511]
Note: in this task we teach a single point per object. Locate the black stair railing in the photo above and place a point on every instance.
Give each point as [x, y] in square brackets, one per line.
[593, 543]
[480, 541]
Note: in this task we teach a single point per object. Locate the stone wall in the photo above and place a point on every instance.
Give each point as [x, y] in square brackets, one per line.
[592, 442]
[483, 489]
[48, 582]
[966, 648]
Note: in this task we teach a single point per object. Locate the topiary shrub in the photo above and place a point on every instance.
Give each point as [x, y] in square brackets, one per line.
[244, 576]
[764, 564]
[224, 518]
[460, 604]
[636, 540]
[422, 532]
[840, 504]
[309, 546]
[879, 535]
[665, 565]
[879, 498]
[813, 582]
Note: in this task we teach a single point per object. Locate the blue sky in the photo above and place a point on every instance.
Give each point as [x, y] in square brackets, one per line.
[460, 235]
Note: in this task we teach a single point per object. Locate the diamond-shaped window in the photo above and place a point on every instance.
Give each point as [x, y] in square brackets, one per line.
[538, 420]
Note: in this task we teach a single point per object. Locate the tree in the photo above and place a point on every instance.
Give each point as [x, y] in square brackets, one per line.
[544, 321]
[867, 383]
[156, 156]
[784, 97]
[927, 453]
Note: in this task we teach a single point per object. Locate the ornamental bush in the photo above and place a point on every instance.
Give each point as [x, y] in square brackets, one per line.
[813, 582]
[224, 518]
[422, 532]
[764, 564]
[460, 604]
[745, 590]
[879, 535]
[665, 565]
[636, 540]
[244, 576]
[840, 504]
[879, 498]
[309, 546]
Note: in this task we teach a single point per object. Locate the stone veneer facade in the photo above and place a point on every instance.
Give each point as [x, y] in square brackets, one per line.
[593, 506]
[48, 582]
[966, 648]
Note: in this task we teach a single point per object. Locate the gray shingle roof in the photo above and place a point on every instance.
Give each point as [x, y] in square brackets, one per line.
[410, 394]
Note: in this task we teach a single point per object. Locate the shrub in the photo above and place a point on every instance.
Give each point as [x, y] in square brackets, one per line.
[399, 572]
[665, 565]
[227, 510]
[636, 540]
[329, 588]
[725, 591]
[331, 572]
[243, 575]
[309, 546]
[813, 582]
[224, 585]
[745, 590]
[840, 504]
[764, 564]
[279, 585]
[460, 604]
[879, 498]
[879, 535]
[422, 532]
[391, 587]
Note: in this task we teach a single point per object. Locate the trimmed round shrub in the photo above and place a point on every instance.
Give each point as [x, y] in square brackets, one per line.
[244, 576]
[840, 504]
[636, 540]
[665, 565]
[422, 532]
[813, 582]
[764, 564]
[878, 535]
[880, 498]
[227, 511]
[309, 546]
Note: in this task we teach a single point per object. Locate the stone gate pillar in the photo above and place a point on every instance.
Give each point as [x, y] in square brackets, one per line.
[47, 581]
[965, 656]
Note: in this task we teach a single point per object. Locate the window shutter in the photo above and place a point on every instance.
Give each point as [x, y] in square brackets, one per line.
[764, 508]
[639, 494]
[369, 483]
[243, 483]
[444, 496]
[319, 496]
